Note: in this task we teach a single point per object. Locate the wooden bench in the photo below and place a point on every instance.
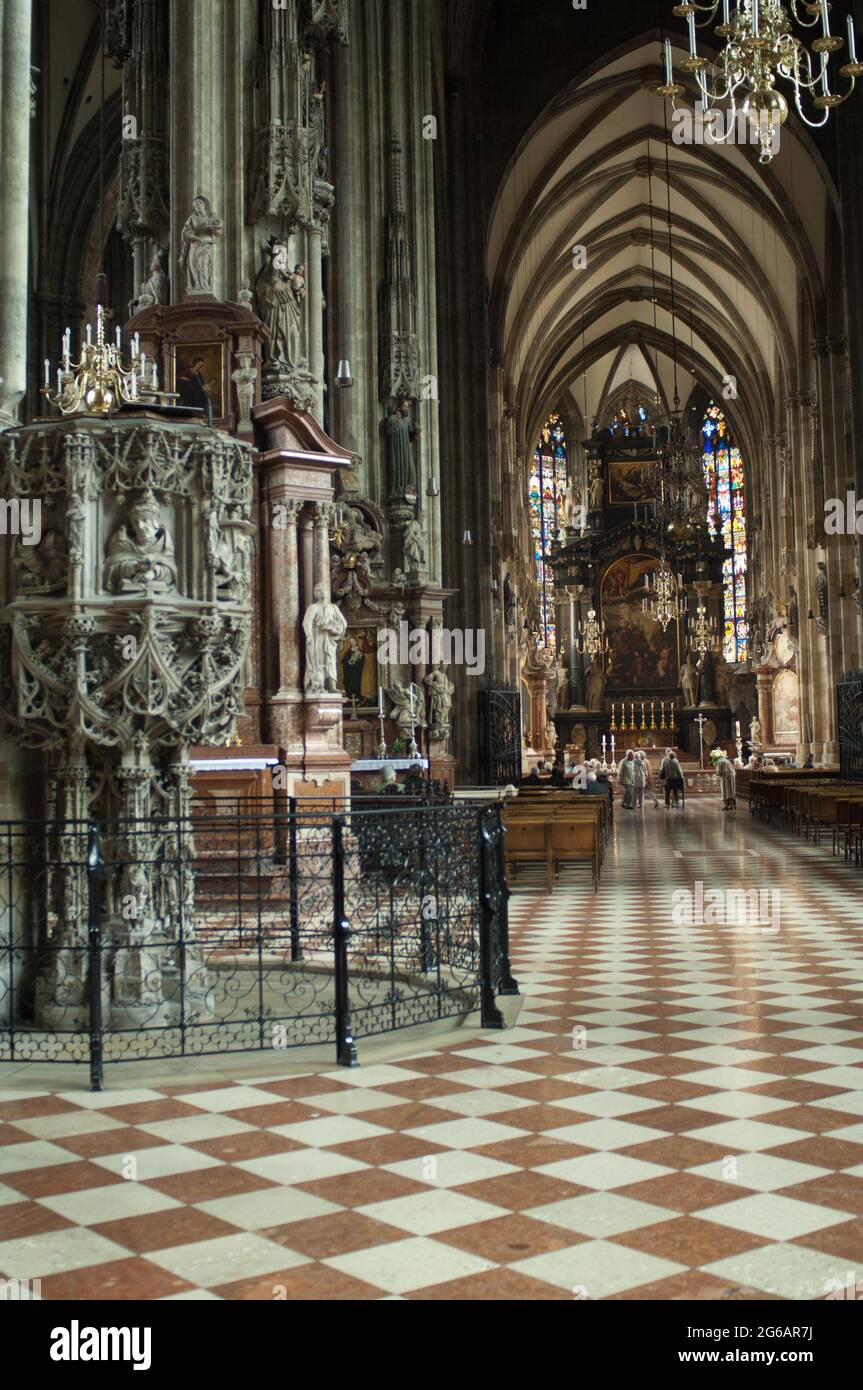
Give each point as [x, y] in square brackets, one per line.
[554, 833]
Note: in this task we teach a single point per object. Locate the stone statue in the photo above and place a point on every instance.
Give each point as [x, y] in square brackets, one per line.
[755, 733]
[141, 552]
[220, 556]
[689, 683]
[597, 493]
[822, 621]
[409, 711]
[510, 601]
[595, 682]
[42, 568]
[563, 700]
[280, 295]
[199, 235]
[723, 676]
[400, 435]
[707, 679]
[440, 691]
[154, 290]
[414, 546]
[325, 626]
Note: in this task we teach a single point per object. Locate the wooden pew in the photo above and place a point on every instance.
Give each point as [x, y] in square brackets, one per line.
[570, 829]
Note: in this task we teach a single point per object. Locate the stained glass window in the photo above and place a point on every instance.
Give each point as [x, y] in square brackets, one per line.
[547, 489]
[724, 473]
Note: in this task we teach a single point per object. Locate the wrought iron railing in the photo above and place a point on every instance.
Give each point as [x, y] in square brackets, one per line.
[247, 929]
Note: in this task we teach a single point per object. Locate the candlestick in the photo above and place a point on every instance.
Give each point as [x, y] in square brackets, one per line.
[642, 717]
[652, 717]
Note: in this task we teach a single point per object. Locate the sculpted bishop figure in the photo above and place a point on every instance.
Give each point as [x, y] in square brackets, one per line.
[324, 626]
[141, 552]
[281, 293]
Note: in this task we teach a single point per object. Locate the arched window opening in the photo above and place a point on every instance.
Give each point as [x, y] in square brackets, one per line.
[725, 475]
[546, 495]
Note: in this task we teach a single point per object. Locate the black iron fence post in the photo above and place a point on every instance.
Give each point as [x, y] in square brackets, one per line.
[294, 874]
[508, 984]
[94, 954]
[346, 1051]
[490, 1014]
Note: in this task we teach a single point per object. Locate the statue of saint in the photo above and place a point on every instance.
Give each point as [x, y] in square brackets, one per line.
[280, 294]
[440, 692]
[414, 546]
[707, 681]
[689, 683]
[595, 681]
[510, 601]
[409, 711]
[141, 552]
[324, 625]
[199, 235]
[400, 435]
[154, 290]
[597, 493]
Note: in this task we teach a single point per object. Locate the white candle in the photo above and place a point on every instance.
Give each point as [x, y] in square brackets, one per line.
[143, 366]
[89, 334]
[756, 19]
[155, 377]
[133, 388]
[413, 710]
[825, 18]
[136, 345]
[59, 382]
[380, 702]
[725, 15]
[852, 40]
[737, 729]
[47, 372]
[668, 70]
[118, 337]
[691, 21]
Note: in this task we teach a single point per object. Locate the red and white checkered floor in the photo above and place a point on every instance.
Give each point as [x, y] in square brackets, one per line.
[678, 1114]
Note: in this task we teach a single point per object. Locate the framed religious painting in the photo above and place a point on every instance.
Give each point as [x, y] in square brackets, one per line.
[358, 667]
[631, 480]
[199, 378]
[641, 655]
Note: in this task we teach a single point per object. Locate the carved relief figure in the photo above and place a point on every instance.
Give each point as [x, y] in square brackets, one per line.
[199, 235]
[822, 621]
[141, 552]
[414, 546]
[324, 626]
[42, 568]
[409, 711]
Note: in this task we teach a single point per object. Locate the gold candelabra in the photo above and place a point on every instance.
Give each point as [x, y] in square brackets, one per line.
[100, 382]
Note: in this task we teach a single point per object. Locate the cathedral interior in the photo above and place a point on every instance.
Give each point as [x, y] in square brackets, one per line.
[431, 650]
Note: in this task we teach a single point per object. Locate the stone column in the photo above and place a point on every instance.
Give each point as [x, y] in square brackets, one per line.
[323, 518]
[764, 680]
[284, 578]
[15, 24]
[316, 315]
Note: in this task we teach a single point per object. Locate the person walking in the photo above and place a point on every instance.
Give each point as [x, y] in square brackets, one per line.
[626, 777]
[639, 778]
[727, 781]
[671, 776]
[648, 778]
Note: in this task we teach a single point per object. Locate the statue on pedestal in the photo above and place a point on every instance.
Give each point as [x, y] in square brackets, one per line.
[414, 547]
[689, 683]
[595, 681]
[280, 295]
[154, 290]
[401, 434]
[198, 236]
[324, 625]
[440, 692]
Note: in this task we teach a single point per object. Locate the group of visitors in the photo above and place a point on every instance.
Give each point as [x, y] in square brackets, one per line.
[636, 778]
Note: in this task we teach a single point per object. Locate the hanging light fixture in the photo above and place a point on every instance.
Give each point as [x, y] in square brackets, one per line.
[591, 639]
[761, 47]
[100, 382]
[702, 631]
[663, 600]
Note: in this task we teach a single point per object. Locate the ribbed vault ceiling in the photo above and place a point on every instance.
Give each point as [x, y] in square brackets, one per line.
[738, 249]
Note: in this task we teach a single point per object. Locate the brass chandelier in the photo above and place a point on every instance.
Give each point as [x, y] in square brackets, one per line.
[702, 632]
[760, 48]
[663, 600]
[100, 382]
[591, 640]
